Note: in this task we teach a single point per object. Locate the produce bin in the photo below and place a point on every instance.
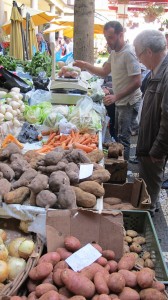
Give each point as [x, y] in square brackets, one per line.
[11, 226]
[141, 222]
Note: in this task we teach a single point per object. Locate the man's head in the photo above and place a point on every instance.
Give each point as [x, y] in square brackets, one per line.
[67, 40]
[39, 37]
[150, 47]
[114, 34]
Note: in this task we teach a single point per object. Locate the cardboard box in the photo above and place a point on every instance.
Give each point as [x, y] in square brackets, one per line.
[106, 229]
[117, 169]
[134, 193]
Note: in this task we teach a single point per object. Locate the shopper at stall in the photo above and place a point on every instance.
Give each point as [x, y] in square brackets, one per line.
[152, 145]
[125, 70]
[42, 44]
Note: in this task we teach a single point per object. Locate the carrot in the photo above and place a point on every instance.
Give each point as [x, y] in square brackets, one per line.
[85, 148]
[87, 141]
[63, 138]
[93, 146]
[72, 134]
[52, 135]
[47, 132]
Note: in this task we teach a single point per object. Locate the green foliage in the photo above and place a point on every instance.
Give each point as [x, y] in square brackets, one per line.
[154, 10]
[40, 62]
[8, 62]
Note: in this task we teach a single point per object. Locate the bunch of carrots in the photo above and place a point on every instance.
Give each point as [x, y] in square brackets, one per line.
[86, 142]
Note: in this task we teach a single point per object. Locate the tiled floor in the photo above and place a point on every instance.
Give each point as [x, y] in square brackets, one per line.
[160, 219]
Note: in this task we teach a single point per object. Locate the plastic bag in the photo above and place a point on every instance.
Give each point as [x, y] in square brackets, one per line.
[66, 127]
[40, 96]
[41, 81]
[9, 80]
[96, 93]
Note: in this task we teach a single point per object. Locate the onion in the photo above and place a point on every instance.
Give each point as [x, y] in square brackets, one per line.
[8, 116]
[15, 89]
[26, 248]
[14, 246]
[4, 271]
[3, 252]
[3, 234]
[15, 266]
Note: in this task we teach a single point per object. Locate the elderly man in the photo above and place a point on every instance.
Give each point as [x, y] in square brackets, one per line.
[126, 76]
[152, 146]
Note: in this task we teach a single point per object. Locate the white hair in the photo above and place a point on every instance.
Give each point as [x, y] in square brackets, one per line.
[152, 39]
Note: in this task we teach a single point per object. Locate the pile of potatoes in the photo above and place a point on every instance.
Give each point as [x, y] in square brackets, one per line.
[105, 279]
[133, 242]
[50, 180]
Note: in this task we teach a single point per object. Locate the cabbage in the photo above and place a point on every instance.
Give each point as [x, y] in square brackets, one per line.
[36, 114]
[62, 109]
[53, 119]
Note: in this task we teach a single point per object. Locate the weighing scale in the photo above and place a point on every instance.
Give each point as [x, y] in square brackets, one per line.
[68, 90]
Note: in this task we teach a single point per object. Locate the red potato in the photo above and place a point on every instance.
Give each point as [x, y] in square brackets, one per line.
[15, 298]
[23, 297]
[57, 278]
[65, 292]
[129, 294]
[107, 267]
[51, 295]
[91, 270]
[98, 247]
[127, 262]
[108, 254]
[113, 266]
[64, 253]
[151, 294]
[62, 297]
[48, 279]
[72, 243]
[101, 284]
[95, 297]
[51, 257]
[43, 288]
[31, 285]
[78, 297]
[104, 297]
[158, 286]
[130, 278]
[41, 271]
[32, 296]
[116, 282]
[77, 283]
[61, 265]
[102, 261]
[145, 278]
[113, 296]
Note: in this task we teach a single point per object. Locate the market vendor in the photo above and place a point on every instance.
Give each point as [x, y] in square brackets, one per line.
[126, 74]
[152, 145]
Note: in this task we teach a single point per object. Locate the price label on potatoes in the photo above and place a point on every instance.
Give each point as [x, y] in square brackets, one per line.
[85, 171]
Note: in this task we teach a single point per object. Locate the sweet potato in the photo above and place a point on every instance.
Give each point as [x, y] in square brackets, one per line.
[56, 179]
[104, 297]
[127, 262]
[65, 292]
[130, 278]
[113, 296]
[129, 294]
[17, 196]
[46, 199]
[158, 286]
[64, 253]
[62, 297]
[91, 270]
[77, 156]
[96, 155]
[39, 183]
[151, 294]
[25, 178]
[50, 169]
[41, 271]
[31, 285]
[44, 288]
[7, 171]
[9, 150]
[57, 278]
[116, 282]
[113, 266]
[84, 199]
[50, 257]
[108, 254]
[100, 176]
[5, 186]
[77, 283]
[66, 197]
[72, 243]
[51, 295]
[77, 297]
[48, 279]
[100, 284]
[52, 158]
[145, 278]
[92, 187]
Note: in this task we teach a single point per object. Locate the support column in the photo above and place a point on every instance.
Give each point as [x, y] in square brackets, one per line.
[52, 34]
[122, 13]
[34, 4]
[2, 12]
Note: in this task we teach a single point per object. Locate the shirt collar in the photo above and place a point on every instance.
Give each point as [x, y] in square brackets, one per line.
[156, 69]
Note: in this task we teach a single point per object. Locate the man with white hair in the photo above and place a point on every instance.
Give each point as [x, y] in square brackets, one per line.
[152, 145]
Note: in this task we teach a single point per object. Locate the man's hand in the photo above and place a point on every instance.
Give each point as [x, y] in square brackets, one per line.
[109, 99]
[80, 64]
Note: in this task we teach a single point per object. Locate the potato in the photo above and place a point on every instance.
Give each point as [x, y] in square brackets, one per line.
[136, 254]
[129, 294]
[66, 197]
[51, 295]
[151, 294]
[149, 263]
[113, 296]
[77, 283]
[32, 296]
[77, 297]
[140, 262]
[31, 285]
[46, 199]
[127, 262]
[100, 176]
[56, 179]
[139, 240]
[92, 188]
[131, 233]
[5, 186]
[116, 282]
[44, 288]
[158, 286]
[25, 178]
[50, 257]
[113, 266]
[130, 278]
[146, 255]
[100, 284]
[84, 199]
[128, 239]
[145, 278]
[126, 249]
[96, 155]
[102, 261]
[52, 158]
[41, 271]
[17, 196]
[65, 292]
[7, 171]
[135, 248]
[108, 254]
[72, 243]
[48, 279]
[112, 200]
[57, 278]
[104, 297]
[64, 253]
[39, 183]
[91, 270]
[15, 298]
[98, 247]
[62, 264]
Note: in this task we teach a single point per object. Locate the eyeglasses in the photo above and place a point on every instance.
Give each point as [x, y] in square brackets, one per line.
[140, 54]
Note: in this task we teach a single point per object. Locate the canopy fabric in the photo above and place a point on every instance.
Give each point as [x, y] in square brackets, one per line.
[55, 28]
[16, 42]
[33, 46]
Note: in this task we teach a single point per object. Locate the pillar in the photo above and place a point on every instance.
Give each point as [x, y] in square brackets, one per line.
[2, 12]
[52, 34]
[34, 4]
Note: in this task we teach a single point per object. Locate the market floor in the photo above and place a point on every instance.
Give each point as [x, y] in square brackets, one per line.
[160, 219]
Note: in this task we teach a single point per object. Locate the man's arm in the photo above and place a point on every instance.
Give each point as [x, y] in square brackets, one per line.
[99, 71]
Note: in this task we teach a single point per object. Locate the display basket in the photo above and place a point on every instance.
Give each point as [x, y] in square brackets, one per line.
[11, 226]
[141, 222]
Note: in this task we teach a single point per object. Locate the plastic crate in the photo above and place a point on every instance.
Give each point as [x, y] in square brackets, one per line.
[141, 222]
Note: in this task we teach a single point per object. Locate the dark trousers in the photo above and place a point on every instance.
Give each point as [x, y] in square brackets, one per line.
[111, 113]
